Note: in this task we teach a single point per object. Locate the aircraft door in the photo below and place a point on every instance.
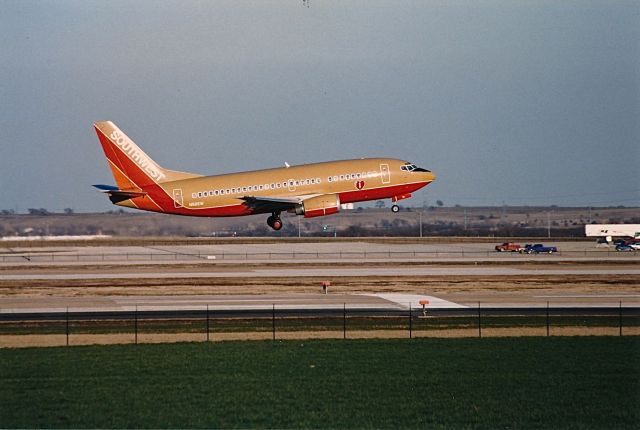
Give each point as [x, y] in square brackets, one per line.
[178, 201]
[384, 173]
[292, 185]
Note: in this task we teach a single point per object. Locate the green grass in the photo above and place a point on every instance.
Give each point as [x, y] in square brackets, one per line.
[563, 382]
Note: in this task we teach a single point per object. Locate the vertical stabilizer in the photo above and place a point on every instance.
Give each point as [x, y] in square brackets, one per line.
[132, 168]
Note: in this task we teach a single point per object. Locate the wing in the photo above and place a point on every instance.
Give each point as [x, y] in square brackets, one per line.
[272, 204]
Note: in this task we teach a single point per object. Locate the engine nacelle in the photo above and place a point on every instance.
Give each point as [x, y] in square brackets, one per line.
[325, 204]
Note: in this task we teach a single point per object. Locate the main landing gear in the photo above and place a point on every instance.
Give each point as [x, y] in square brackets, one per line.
[395, 208]
[274, 221]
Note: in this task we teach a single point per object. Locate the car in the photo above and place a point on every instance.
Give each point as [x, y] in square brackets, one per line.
[508, 247]
[539, 248]
[624, 247]
[626, 241]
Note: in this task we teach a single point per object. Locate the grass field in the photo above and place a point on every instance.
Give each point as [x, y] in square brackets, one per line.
[563, 382]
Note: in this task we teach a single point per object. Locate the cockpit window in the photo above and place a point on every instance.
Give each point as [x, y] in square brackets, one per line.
[408, 167]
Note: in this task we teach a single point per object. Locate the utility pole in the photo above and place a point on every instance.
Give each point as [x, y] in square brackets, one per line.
[420, 212]
[465, 219]
[548, 223]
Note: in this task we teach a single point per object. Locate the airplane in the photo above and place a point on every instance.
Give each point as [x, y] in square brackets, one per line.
[309, 190]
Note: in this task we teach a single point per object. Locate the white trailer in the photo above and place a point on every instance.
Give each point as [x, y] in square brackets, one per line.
[609, 231]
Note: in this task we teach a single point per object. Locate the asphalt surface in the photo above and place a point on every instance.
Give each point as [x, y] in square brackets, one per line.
[356, 259]
[293, 252]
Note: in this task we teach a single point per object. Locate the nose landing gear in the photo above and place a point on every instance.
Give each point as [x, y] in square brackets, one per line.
[274, 221]
[395, 208]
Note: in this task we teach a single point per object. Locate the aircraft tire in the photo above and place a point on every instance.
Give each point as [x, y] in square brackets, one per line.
[395, 208]
[274, 222]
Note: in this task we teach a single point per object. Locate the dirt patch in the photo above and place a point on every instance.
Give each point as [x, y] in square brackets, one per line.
[26, 341]
[340, 285]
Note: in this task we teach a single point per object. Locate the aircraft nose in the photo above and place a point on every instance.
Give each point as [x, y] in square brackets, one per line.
[428, 175]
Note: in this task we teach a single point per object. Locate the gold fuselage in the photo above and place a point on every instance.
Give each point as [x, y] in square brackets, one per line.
[352, 180]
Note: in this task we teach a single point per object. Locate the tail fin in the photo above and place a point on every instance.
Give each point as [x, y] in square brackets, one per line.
[132, 168]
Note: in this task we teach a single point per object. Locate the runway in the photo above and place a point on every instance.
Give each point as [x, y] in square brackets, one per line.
[382, 302]
[292, 252]
[400, 275]
[310, 302]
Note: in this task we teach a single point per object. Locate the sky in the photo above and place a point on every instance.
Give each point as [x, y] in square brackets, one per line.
[508, 102]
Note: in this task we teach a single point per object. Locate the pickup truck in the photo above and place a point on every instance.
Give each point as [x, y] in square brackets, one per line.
[539, 248]
[508, 247]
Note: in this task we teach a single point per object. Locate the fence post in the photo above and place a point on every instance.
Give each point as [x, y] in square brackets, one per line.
[67, 329]
[410, 323]
[135, 324]
[207, 323]
[344, 320]
[479, 322]
[547, 318]
[620, 317]
[273, 321]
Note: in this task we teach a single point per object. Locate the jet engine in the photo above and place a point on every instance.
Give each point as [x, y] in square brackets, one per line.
[325, 204]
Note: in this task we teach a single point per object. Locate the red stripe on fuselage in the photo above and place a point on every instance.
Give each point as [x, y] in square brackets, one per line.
[380, 193]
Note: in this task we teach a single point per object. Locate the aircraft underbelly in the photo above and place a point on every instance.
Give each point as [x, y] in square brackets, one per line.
[379, 193]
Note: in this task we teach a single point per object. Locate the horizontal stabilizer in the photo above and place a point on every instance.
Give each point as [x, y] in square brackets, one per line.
[106, 188]
[117, 195]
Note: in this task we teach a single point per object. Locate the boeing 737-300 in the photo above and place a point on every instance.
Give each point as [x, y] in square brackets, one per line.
[309, 190]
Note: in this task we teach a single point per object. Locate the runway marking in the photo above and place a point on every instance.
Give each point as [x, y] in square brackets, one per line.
[413, 301]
